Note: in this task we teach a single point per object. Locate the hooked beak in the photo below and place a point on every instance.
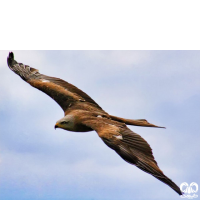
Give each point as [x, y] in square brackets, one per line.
[56, 126]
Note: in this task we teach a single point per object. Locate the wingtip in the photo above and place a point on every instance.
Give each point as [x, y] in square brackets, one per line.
[11, 55]
[10, 58]
[180, 192]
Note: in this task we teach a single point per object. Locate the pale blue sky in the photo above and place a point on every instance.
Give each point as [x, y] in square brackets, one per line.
[37, 162]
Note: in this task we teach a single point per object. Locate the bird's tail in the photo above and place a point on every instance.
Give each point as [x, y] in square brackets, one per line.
[136, 122]
[24, 71]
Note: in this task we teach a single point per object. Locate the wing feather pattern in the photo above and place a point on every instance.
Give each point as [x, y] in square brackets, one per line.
[130, 146]
[64, 93]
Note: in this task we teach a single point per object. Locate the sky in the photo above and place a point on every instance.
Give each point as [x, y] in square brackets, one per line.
[39, 162]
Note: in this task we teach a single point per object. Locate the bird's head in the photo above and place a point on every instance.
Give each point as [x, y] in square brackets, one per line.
[66, 123]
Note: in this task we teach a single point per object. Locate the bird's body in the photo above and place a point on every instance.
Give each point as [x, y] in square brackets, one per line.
[83, 114]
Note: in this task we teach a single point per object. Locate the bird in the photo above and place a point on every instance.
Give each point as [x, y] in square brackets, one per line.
[83, 114]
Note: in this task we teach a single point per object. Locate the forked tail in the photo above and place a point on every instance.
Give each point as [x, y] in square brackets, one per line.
[136, 122]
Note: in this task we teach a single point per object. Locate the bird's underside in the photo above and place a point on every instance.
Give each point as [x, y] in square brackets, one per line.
[82, 114]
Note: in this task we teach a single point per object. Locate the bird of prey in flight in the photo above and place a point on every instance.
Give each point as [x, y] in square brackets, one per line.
[82, 114]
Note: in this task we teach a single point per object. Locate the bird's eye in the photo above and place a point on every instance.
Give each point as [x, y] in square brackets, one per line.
[64, 122]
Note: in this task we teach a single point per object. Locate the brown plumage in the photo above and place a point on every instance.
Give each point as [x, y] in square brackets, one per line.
[82, 114]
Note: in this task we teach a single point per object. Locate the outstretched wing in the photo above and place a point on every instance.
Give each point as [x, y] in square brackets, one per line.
[64, 93]
[130, 146]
